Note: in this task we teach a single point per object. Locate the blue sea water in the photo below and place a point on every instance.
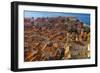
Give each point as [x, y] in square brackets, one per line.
[83, 17]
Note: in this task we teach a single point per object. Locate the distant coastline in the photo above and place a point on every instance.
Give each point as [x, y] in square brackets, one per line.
[85, 18]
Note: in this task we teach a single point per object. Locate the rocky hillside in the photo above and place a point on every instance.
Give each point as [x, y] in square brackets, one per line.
[55, 38]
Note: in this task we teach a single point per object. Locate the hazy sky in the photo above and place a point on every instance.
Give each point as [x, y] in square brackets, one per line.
[81, 16]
